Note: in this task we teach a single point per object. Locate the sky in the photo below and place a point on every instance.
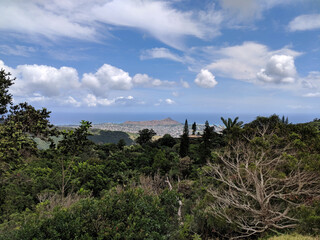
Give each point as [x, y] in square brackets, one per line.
[150, 56]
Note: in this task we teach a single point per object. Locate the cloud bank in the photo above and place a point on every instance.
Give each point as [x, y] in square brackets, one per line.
[63, 86]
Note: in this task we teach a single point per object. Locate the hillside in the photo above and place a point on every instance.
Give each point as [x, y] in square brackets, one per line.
[164, 122]
[98, 137]
[102, 137]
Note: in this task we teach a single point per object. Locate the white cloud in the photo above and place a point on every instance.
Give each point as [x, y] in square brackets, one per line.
[93, 101]
[44, 18]
[160, 53]
[158, 18]
[61, 86]
[71, 101]
[243, 62]
[141, 79]
[44, 80]
[107, 78]
[6, 68]
[146, 81]
[90, 20]
[279, 69]
[169, 101]
[184, 84]
[311, 84]
[36, 98]
[305, 22]
[16, 50]
[239, 62]
[205, 79]
[315, 94]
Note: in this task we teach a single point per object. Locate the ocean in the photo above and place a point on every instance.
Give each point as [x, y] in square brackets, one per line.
[69, 118]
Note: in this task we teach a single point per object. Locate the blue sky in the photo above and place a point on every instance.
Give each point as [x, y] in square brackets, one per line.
[198, 56]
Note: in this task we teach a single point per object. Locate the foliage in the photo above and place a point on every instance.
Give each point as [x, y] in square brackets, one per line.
[145, 136]
[229, 123]
[74, 141]
[194, 128]
[130, 214]
[102, 137]
[184, 143]
[167, 140]
[31, 121]
[5, 96]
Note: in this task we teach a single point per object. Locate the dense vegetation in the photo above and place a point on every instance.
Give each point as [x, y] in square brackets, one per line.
[254, 180]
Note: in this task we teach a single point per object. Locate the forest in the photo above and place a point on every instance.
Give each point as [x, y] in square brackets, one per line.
[255, 180]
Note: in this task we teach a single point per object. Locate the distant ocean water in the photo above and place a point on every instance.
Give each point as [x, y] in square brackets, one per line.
[69, 118]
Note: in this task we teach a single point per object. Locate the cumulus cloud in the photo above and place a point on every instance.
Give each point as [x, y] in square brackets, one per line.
[107, 78]
[239, 62]
[279, 69]
[90, 20]
[144, 80]
[305, 22]
[205, 79]
[243, 62]
[71, 101]
[169, 101]
[62, 86]
[44, 80]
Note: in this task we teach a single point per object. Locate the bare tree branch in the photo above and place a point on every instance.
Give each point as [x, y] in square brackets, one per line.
[256, 193]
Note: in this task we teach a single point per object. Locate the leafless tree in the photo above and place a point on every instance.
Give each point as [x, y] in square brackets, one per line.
[258, 187]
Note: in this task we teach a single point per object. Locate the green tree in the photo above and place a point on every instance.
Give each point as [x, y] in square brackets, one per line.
[145, 136]
[285, 120]
[75, 141]
[184, 144]
[194, 128]
[206, 143]
[121, 144]
[167, 140]
[161, 162]
[32, 122]
[5, 96]
[130, 214]
[229, 123]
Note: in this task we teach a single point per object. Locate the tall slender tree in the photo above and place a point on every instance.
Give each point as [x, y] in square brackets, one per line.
[184, 145]
[194, 128]
[205, 146]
